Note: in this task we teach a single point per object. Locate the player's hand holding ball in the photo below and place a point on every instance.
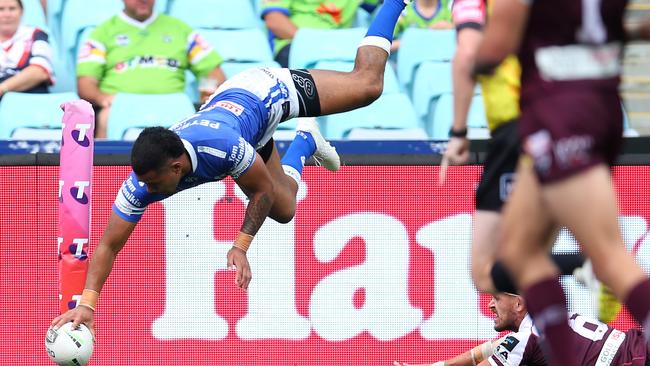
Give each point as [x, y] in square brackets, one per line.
[71, 336]
[67, 345]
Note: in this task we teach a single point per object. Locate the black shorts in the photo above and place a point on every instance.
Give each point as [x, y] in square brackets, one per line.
[309, 102]
[266, 150]
[499, 168]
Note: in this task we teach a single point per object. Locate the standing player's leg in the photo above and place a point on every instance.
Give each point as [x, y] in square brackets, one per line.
[528, 232]
[572, 203]
[488, 274]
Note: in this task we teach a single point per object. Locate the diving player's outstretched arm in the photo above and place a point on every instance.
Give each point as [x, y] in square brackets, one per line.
[258, 186]
[115, 235]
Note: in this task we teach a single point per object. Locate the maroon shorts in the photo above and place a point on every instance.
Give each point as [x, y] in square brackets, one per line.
[570, 131]
[633, 351]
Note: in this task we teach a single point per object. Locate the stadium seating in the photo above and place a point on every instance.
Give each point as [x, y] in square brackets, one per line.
[233, 68]
[220, 14]
[53, 15]
[309, 46]
[38, 111]
[76, 24]
[33, 14]
[257, 6]
[390, 79]
[390, 111]
[76, 17]
[419, 45]
[144, 110]
[410, 134]
[441, 118]
[241, 45]
[431, 80]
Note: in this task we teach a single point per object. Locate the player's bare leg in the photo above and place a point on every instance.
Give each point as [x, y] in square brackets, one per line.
[525, 242]
[586, 204]
[286, 188]
[286, 172]
[485, 237]
[528, 233]
[344, 91]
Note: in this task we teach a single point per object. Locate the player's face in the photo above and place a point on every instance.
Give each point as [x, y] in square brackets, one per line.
[163, 181]
[504, 306]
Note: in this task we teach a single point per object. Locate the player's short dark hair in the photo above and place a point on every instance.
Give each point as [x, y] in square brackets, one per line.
[153, 148]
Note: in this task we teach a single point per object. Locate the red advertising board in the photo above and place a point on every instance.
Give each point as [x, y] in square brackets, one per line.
[374, 267]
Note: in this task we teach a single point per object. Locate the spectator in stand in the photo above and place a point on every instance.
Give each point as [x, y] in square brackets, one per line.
[140, 51]
[283, 18]
[26, 62]
[432, 14]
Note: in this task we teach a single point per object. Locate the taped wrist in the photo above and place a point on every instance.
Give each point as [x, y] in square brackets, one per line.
[89, 299]
[243, 241]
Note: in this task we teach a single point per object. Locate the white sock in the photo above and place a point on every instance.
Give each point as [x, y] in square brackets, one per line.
[376, 41]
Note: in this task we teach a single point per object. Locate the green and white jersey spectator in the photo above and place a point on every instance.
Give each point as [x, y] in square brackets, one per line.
[435, 14]
[284, 17]
[432, 14]
[148, 57]
[141, 51]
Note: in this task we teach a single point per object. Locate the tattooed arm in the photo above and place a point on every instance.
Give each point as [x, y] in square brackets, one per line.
[258, 186]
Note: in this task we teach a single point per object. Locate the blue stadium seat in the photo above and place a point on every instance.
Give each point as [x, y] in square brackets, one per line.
[65, 66]
[362, 19]
[34, 14]
[390, 79]
[77, 22]
[37, 133]
[419, 45]
[31, 110]
[441, 118]
[257, 6]
[431, 80]
[233, 68]
[64, 75]
[53, 14]
[144, 110]
[221, 14]
[410, 134]
[312, 45]
[161, 6]
[242, 45]
[390, 111]
[77, 16]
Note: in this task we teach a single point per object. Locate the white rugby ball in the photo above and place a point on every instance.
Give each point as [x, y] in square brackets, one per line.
[69, 347]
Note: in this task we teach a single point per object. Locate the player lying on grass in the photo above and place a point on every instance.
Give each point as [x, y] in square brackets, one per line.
[597, 343]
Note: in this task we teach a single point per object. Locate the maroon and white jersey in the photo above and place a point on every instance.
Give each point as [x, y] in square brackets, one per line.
[29, 46]
[572, 45]
[519, 348]
[597, 344]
